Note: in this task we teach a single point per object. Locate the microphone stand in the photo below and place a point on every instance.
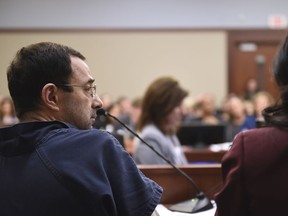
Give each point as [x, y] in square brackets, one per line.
[197, 204]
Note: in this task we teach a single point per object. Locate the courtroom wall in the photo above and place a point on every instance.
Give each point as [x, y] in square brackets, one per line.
[125, 62]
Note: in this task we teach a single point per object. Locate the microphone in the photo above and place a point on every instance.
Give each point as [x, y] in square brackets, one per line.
[197, 204]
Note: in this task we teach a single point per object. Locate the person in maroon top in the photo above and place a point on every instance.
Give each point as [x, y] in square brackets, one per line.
[255, 169]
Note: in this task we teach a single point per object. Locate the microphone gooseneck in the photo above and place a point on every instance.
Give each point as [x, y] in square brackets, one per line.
[105, 113]
[203, 203]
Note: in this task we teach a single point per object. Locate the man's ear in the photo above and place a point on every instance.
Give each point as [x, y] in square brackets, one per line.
[50, 97]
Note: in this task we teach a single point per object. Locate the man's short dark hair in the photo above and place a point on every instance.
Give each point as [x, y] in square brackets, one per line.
[33, 67]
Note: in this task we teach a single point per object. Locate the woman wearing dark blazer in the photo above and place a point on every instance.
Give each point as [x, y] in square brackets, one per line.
[255, 169]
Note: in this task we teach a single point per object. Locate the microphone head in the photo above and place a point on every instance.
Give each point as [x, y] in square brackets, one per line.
[101, 111]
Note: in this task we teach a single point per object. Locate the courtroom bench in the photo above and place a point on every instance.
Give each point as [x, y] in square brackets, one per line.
[177, 188]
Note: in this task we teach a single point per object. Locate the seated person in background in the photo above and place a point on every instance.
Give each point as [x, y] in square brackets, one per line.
[249, 107]
[223, 111]
[115, 128]
[187, 109]
[238, 120]
[158, 124]
[136, 109]
[261, 100]
[109, 125]
[251, 89]
[255, 168]
[206, 111]
[125, 106]
[53, 162]
[7, 113]
[102, 121]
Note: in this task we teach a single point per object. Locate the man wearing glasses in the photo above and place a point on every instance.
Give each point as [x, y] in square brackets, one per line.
[52, 162]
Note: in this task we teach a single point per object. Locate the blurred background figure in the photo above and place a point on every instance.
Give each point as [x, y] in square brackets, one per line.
[206, 110]
[187, 109]
[136, 110]
[101, 121]
[114, 110]
[106, 100]
[261, 100]
[224, 107]
[158, 125]
[125, 106]
[106, 123]
[7, 113]
[251, 88]
[238, 120]
[249, 107]
[1, 98]
[126, 111]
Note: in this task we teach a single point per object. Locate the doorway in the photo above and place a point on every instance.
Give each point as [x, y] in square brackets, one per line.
[250, 55]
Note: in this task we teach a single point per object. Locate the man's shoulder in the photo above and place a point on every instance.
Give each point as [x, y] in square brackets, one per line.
[61, 136]
[73, 136]
[77, 146]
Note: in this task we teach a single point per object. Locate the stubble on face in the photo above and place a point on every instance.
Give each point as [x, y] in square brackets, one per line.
[77, 105]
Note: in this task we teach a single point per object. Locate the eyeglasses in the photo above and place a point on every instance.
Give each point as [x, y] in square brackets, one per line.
[90, 89]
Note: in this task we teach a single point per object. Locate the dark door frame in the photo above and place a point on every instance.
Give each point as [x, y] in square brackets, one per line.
[248, 35]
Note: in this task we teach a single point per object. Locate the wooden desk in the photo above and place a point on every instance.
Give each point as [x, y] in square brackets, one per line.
[203, 155]
[177, 188]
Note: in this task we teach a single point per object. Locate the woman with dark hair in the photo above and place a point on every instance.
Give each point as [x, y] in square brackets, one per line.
[161, 115]
[254, 170]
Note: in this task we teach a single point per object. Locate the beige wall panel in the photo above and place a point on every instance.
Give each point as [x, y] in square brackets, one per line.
[125, 62]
